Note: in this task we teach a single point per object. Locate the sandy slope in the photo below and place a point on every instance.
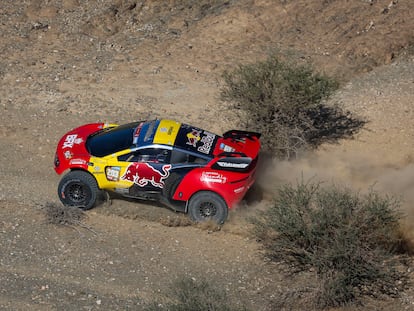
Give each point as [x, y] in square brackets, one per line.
[64, 64]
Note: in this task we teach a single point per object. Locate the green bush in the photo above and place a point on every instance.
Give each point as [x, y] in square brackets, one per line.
[190, 295]
[283, 101]
[349, 240]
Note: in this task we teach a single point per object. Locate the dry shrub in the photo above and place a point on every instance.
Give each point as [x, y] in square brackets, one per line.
[188, 294]
[63, 215]
[284, 102]
[176, 221]
[352, 241]
[182, 220]
[210, 226]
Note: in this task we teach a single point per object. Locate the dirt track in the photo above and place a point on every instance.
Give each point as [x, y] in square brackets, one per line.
[64, 64]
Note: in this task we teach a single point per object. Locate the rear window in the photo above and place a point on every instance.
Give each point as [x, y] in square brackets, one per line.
[109, 141]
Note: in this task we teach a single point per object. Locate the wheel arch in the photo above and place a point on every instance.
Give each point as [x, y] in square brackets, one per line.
[185, 193]
[78, 169]
[192, 183]
[78, 187]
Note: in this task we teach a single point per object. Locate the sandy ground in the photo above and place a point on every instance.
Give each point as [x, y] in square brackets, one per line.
[66, 62]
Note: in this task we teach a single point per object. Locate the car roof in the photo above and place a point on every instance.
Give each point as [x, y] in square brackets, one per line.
[110, 140]
[176, 134]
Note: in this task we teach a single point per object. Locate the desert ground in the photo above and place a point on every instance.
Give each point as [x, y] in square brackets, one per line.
[68, 62]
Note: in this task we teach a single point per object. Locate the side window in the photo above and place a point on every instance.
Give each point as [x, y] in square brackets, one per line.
[181, 157]
[154, 155]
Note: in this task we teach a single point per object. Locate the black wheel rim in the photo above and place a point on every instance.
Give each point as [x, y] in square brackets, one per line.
[207, 209]
[77, 193]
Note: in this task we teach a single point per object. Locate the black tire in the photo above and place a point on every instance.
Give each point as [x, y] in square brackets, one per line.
[79, 189]
[207, 205]
[170, 185]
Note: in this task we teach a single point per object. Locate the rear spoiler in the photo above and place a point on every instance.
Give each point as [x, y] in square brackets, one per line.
[234, 161]
[238, 134]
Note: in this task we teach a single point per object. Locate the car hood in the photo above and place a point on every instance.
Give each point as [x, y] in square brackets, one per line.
[71, 150]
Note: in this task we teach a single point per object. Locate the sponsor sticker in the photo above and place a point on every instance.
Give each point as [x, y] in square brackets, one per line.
[68, 155]
[138, 130]
[70, 140]
[226, 148]
[77, 162]
[238, 190]
[234, 165]
[213, 177]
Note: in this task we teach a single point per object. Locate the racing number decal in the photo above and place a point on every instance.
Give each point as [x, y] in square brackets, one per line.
[112, 173]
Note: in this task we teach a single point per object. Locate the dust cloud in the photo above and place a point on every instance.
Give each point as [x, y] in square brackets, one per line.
[354, 171]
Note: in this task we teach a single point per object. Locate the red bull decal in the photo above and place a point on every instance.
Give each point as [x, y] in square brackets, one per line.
[193, 137]
[207, 141]
[143, 173]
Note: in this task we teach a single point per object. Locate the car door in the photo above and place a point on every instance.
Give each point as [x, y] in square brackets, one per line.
[146, 168]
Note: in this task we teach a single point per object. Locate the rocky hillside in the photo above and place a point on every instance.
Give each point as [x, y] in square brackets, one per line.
[67, 62]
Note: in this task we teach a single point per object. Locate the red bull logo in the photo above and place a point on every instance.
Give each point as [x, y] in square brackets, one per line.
[143, 173]
[193, 137]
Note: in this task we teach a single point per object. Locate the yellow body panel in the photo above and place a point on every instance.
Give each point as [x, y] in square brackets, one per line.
[167, 132]
[108, 172]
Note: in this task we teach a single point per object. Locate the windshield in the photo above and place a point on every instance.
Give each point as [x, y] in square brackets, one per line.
[112, 140]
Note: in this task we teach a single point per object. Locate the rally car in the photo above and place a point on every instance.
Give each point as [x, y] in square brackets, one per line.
[184, 167]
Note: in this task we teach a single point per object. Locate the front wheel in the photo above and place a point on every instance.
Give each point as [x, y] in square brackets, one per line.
[206, 205]
[79, 189]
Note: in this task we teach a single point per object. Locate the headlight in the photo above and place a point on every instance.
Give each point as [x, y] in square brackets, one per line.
[56, 161]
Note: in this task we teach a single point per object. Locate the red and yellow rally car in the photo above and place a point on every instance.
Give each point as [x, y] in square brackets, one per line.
[186, 168]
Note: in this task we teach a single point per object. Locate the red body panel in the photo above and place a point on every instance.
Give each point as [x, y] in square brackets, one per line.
[231, 186]
[248, 146]
[71, 151]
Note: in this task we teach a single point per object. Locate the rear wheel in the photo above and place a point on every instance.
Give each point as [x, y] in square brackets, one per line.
[79, 189]
[207, 205]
